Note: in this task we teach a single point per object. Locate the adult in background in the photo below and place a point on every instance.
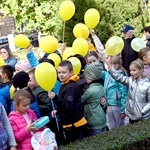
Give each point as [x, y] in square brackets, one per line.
[8, 56]
[147, 34]
[128, 54]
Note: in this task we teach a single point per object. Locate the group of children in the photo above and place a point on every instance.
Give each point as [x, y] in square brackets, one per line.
[79, 105]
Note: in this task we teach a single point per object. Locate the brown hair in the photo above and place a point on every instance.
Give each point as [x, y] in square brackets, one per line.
[93, 53]
[20, 95]
[66, 63]
[143, 52]
[8, 50]
[117, 60]
[138, 63]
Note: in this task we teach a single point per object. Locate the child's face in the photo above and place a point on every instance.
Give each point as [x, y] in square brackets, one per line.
[148, 57]
[64, 74]
[23, 106]
[135, 72]
[3, 75]
[32, 84]
[92, 59]
[88, 80]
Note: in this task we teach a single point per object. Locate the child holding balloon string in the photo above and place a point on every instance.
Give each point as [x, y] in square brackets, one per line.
[68, 101]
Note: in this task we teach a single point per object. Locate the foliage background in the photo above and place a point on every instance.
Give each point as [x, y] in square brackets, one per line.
[43, 15]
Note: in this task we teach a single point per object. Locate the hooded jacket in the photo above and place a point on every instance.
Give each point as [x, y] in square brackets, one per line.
[138, 100]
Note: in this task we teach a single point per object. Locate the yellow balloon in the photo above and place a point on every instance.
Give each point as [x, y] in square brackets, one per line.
[21, 41]
[80, 46]
[91, 18]
[81, 30]
[76, 64]
[46, 76]
[56, 58]
[12, 91]
[48, 44]
[66, 10]
[114, 45]
[1, 61]
[68, 52]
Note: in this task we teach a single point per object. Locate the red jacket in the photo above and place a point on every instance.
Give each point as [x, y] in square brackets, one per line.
[18, 123]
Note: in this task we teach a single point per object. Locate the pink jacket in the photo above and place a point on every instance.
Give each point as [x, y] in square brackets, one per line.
[18, 123]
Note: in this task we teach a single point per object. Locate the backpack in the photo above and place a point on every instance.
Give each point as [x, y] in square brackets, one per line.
[3, 132]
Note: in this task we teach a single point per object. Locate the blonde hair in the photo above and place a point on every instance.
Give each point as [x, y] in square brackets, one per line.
[117, 60]
[138, 63]
[20, 95]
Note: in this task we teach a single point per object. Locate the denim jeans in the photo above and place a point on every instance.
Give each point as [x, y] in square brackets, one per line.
[92, 132]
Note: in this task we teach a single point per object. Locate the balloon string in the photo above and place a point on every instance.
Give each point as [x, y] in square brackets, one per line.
[55, 115]
[63, 31]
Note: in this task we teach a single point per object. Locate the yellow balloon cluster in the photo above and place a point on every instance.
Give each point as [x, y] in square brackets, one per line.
[56, 58]
[114, 45]
[91, 18]
[66, 10]
[81, 30]
[21, 41]
[48, 44]
[1, 61]
[76, 64]
[46, 76]
[80, 46]
[68, 52]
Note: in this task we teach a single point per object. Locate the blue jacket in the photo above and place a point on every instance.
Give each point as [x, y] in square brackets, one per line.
[12, 62]
[116, 93]
[5, 97]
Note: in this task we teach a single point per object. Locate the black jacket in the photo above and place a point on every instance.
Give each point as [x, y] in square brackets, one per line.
[128, 54]
[69, 107]
[148, 43]
[43, 100]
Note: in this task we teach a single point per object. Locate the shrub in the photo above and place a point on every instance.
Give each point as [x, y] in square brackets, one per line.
[131, 137]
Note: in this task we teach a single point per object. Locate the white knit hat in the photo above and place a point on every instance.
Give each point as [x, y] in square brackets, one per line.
[23, 65]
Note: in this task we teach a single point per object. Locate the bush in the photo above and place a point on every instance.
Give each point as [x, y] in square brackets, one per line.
[131, 137]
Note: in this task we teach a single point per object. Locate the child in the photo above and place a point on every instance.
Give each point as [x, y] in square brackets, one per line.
[144, 55]
[93, 112]
[6, 134]
[138, 100]
[41, 95]
[6, 74]
[23, 65]
[20, 81]
[69, 107]
[116, 95]
[22, 119]
[93, 57]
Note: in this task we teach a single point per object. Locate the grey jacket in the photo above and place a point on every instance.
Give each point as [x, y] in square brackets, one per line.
[138, 100]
